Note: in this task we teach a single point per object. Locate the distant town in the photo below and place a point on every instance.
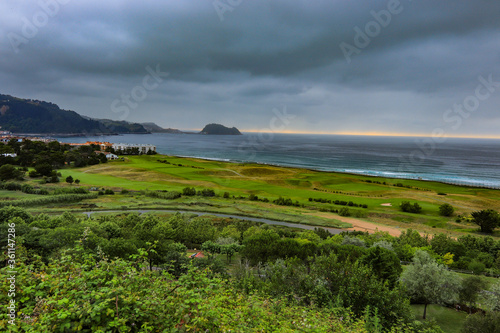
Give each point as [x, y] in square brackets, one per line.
[107, 148]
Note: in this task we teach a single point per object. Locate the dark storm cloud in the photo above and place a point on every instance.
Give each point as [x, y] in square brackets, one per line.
[263, 54]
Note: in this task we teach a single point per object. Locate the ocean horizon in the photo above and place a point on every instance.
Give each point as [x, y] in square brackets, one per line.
[461, 161]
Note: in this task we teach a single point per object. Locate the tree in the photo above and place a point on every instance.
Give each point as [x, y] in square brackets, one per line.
[480, 323]
[487, 219]
[260, 246]
[446, 209]
[8, 171]
[492, 297]
[77, 181]
[470, 289]
[384, 264]
[406, 206]
[211, 248]
[69, 180]
[428, 282]
[44, 169]
[10, 212]
[413, 238]
[229, 250]
[189, 191]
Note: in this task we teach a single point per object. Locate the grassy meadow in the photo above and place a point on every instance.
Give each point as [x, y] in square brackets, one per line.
[382, 195]
[450, 320]
[138, 173]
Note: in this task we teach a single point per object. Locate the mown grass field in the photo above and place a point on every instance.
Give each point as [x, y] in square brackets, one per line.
[450, 320]
[147, 173]
[140, 173]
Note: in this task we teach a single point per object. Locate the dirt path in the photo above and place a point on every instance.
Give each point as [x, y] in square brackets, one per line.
[360, 225]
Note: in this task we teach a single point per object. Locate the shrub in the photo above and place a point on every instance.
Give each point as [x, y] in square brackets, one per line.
[206, 192]
[69, 180]
[344, 211]
[189, 191]
[406, 206]
[168, 195]
[446, 209]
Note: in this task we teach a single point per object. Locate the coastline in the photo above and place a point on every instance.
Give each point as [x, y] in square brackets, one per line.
[348, 156]
[334, 171]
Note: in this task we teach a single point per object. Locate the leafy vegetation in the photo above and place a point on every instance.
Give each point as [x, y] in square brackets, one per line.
[487, 219]
[293, 278]
[128, 262]
[408, 207]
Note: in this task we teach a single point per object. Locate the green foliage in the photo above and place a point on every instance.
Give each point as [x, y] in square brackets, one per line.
[10, 212]
[206, 192]
[470, 290]
[353, 241]
[480, 323]
[49, 200]
[384, 264]
[69, 180]
[406, 206]
[384, 244]
[44, 169]
[8, 171]
[189, 191]
[322, 233]
[259, 247]
[492, 297]
[211, 248]
[412, 238]
[355, 286]
[286, 202]
[108, 272]
[428, 282]
[344, 211]
[446, 209]
[487, 219]
[167, 195]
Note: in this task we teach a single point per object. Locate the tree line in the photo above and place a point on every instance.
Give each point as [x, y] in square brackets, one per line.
[358, 275]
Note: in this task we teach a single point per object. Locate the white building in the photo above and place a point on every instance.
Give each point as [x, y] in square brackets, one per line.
[111, 156]
[143, 149]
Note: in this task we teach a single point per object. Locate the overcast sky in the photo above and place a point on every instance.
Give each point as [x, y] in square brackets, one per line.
[338, 66]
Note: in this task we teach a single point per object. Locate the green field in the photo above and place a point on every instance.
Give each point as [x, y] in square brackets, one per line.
[138, 173]
[450, 320]
[381, 195]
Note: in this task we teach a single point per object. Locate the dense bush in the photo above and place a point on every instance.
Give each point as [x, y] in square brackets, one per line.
[406, 206]
[168, 195]
[48, 200]
[446, 209]
[189, 191]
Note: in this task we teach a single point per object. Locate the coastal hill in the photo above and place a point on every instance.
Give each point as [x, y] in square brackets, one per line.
[123, 127]
[153, 128]
[20, 115]
[217, 129]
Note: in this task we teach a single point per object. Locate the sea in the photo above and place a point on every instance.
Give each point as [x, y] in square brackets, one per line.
[470, 162]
